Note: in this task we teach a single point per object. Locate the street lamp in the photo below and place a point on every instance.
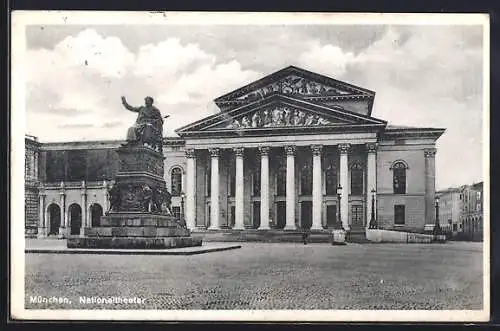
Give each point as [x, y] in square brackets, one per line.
[437, 227]
[338, 224]
[182, 207]
[373, 221]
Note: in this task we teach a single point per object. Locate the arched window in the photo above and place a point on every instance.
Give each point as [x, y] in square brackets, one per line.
[399, 177]
[306, 180]
[356, 179]
[331, 180]
[281, 178]
[256, 181]
[176, 181]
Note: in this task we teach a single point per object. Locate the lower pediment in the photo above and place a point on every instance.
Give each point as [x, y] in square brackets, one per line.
[280, 113]
[276, 117]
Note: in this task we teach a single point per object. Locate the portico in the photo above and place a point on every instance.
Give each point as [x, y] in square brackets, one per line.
[279, 186]
[275, 155]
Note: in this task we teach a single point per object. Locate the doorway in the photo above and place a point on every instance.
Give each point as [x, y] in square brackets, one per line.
[306, 214]
[331, 216]
[280, 214]
[54, 219]
[96, 212]
[256, 214]
[75, 212]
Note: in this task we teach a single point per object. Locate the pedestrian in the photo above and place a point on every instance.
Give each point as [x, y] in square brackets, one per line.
[305, 236]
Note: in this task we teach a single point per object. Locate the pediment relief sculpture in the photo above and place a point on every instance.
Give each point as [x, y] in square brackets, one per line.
[280, 116]
[293, 85]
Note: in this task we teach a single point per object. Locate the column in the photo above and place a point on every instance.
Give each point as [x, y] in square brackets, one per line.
[317, 196]
[264, 188]
[64, 213]
[214, 189]
[85, 221]
[430, 184]
[344, 182]
[239, 153]
[191, 189]
[106, 197]
[371, 181]
[290, 187]
[42, 227]
[35, 164]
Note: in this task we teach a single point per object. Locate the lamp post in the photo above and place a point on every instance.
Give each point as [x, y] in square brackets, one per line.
[437, 227]
[373, 221]
[182, 207]
[338, 224]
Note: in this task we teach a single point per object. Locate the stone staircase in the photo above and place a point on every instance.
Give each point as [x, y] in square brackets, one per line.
[357, 234]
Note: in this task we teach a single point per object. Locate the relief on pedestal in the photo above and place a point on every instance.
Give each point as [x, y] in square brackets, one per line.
[139, 198]
[278, 116]
[294, 85]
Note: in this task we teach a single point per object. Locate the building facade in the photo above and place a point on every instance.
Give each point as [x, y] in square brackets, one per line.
[462, 209]
[450, 210]
[292, 150]
[472, 211]
[31, 184]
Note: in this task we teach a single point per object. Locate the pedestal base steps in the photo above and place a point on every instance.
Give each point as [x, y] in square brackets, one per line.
[136, 231]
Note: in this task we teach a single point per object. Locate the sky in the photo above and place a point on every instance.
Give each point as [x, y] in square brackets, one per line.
[428, 76]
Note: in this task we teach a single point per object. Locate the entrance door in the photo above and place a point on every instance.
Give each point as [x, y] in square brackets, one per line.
[54, 219]
[357, 219]
[306, 214]
[331, 216]
[256, 214]
[75, 212]
[280, 214]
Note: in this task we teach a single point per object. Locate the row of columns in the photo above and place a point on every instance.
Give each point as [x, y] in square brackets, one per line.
[290, 186]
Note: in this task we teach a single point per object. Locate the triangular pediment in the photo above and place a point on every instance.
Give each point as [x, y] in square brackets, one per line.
[298, 83]
[278, 113]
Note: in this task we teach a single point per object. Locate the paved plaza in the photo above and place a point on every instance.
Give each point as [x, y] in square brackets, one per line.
[266, 276]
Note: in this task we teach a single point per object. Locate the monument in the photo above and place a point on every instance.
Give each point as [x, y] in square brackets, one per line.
[139, 213]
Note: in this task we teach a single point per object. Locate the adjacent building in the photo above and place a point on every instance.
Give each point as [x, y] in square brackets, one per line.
[461, 209]
[292, 150]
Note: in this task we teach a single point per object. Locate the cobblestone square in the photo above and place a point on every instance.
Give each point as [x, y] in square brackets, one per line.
[267, 276]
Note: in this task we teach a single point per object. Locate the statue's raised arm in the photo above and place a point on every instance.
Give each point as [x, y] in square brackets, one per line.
[129, 107]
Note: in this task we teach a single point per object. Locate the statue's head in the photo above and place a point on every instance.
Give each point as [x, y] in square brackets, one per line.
[149, 101]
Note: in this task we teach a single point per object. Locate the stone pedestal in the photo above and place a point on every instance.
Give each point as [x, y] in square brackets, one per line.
[338, 237]
[139, 216]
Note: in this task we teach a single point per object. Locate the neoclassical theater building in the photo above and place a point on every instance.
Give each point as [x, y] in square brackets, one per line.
[285, 152]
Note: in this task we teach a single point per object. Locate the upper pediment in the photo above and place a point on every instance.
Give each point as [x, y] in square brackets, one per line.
[280, 113]
[299, 83]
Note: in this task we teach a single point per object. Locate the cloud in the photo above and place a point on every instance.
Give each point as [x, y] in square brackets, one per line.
[326, 58]
[78, 84]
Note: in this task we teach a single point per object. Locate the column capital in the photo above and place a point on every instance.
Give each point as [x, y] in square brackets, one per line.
[290, 150]
[371, 147]
[190, 153]
[214, 152]
[239, 151]
[344, 148]
[316, 149]
[430, 152]
[264, 150]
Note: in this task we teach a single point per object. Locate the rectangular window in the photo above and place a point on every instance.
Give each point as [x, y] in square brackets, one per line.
[232, 184]
[399, 181]
[455, 227]
[399, 214]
